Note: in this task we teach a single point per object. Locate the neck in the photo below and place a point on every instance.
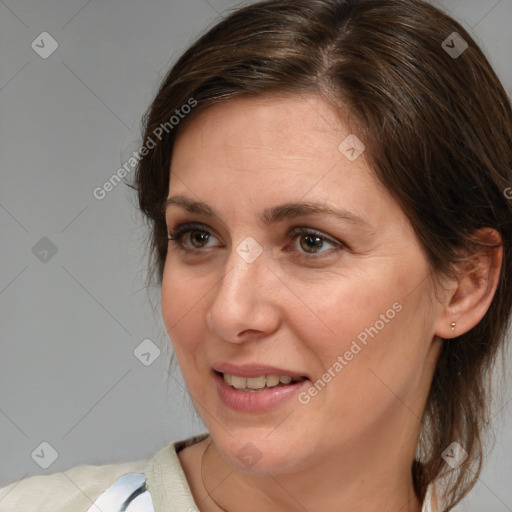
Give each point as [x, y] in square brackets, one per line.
[340, 482]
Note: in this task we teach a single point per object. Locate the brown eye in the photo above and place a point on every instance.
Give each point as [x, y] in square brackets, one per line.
[200, 237]
[190, 237]
[312, 243]
[308, 242]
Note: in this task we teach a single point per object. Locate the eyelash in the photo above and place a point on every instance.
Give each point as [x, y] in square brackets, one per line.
[176, 236]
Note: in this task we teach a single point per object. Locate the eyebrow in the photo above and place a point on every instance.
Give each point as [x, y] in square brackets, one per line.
[276, 213]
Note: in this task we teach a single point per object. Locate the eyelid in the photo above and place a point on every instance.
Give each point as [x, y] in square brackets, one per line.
[188, 225]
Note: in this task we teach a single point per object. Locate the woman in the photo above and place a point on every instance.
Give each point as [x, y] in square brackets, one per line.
[326, 184]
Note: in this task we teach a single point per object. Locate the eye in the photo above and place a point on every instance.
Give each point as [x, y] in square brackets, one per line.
[194, 237]
[310, 241]
[196, 233]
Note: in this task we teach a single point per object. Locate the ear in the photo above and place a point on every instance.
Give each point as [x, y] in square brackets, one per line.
[469, 297]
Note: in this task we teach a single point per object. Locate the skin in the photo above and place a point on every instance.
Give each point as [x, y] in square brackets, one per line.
[351, 447]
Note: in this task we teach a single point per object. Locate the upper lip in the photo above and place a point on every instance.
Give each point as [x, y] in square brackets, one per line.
[254, 370]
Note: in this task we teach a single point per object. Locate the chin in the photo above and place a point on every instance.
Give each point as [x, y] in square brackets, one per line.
[253, 453]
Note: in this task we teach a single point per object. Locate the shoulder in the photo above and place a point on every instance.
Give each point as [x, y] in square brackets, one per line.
[71, 490]
[76, 489]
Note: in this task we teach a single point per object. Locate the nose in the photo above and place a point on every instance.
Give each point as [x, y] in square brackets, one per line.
[244, 305]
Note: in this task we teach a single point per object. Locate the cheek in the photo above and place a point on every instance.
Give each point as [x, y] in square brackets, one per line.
[183, 317]
[372, 323]
[183, 309]
[339, 309]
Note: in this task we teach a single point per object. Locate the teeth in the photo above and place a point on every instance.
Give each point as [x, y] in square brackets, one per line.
[261, 382]
[272, 380]
[256, 382]
[238, 382]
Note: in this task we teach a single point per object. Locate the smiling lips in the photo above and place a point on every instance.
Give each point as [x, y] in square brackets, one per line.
[255, 388]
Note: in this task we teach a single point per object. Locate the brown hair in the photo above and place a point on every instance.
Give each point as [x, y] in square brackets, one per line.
[438, 134]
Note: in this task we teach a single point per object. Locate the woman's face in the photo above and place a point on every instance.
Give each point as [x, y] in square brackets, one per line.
[343, 303]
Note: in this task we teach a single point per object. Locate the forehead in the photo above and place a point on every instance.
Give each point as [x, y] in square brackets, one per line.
[292, 125]
[273, 149]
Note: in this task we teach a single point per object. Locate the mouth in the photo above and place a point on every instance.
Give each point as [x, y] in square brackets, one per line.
[259, 390]
[259, 383]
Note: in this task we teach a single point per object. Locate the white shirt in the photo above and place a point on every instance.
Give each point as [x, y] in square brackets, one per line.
[75, 490]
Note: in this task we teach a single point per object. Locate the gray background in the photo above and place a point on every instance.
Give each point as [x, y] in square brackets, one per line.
[70, 321]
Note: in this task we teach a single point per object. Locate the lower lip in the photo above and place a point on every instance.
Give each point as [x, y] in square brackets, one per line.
[256, 401]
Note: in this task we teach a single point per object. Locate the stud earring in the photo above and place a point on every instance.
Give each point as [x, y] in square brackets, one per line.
[453, 324]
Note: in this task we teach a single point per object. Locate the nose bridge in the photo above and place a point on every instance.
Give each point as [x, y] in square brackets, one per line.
[242, 280]
[241, 301]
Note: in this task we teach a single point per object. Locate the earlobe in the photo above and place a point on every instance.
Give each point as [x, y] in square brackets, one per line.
[469, 300]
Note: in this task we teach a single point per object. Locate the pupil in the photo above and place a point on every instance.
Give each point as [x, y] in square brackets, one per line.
[315, 241]
[199, 236]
